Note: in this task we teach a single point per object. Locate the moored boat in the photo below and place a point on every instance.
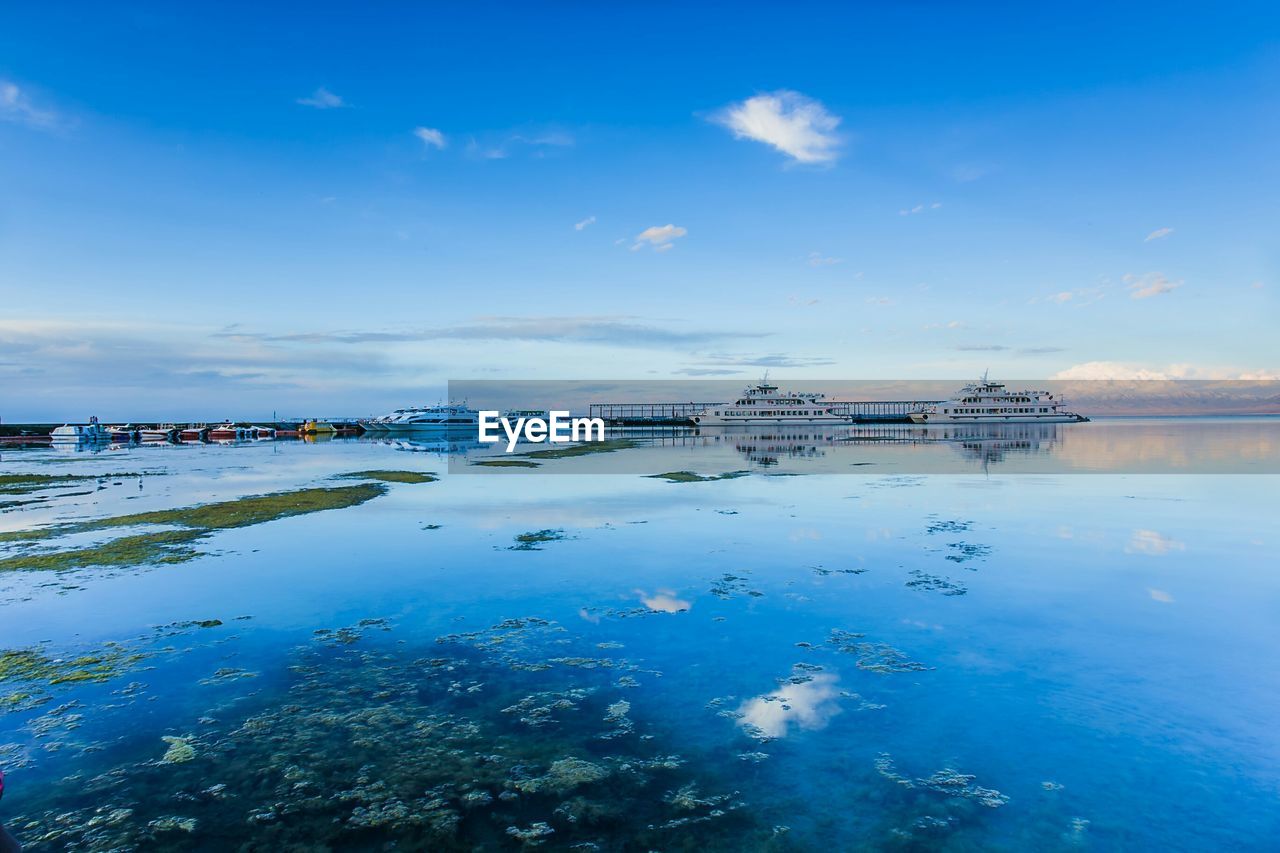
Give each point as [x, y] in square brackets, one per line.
[434, 418]
[123, 434]
[158, 433]
[764, 404]
[228, 432]
[987, 402]
[92, 432]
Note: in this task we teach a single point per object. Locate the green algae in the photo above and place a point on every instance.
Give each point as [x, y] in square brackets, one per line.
[391, 476]
[248, 511]
[19, 484]
[691, 477]
[530, 541]
[195, 523]
[34, 671]
[506, 463]
[585, 449]
[163, 547]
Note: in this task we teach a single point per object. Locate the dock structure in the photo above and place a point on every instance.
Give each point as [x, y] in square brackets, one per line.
[679, 414]
[647, 414]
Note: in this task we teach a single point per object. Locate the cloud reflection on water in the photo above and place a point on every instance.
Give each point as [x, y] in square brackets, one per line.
[808, 706]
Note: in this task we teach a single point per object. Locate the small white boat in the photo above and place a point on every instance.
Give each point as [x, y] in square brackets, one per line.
[125, 433]
[262, 432]
[228, 432]
[160, 433]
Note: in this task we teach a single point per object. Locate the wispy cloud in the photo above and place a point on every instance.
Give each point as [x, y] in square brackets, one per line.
[982, 348]
[1149, 284]
[817, 259]
[879, 300]
[431, 137]
[919, 208]
[16, 106]
[578, 226]
[323, 99]
[1158, 234]
[660, 237]
[1078, 298]
[796, 125]
[610, 330]
[502, 146]
[706, 371]
[771, 360]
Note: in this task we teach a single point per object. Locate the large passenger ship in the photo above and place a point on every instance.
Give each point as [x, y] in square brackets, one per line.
[991, 403]
[765, 404]
[452, 416]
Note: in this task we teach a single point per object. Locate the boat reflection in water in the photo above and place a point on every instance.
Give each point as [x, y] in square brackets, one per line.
[442, 442]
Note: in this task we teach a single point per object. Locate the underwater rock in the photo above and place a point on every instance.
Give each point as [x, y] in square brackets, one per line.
[169, 823]
[730, 585]
[948, 527]
[946, 781]
[563, 776]
[227, 673]
[533, 835]
[926, 581]
[533, 540]
[180, 750]
[967, 551]
[874, 657]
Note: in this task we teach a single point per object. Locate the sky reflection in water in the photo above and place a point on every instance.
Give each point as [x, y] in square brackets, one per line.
[1106, 662]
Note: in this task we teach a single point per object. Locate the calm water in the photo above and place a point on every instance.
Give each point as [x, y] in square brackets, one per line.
[763, 662]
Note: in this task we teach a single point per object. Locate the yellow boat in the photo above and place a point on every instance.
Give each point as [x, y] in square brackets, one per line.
[317, 428]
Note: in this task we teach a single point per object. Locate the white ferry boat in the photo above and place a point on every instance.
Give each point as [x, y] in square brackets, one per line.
[765, 404]
[452, 416]
[987, 402]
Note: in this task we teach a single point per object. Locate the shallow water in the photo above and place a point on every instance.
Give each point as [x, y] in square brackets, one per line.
[684, 669]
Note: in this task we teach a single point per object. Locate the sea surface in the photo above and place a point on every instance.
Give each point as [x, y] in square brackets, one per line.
[1063, 641]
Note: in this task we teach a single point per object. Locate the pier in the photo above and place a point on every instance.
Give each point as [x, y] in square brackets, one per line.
[681, 414]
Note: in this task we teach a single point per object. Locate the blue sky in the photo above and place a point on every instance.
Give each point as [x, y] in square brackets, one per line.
[238, 210]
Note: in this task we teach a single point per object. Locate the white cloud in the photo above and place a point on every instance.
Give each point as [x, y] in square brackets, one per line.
[1152, 543]
[796, 125]
[800, 706]
[1159, 595]
[879, 300]
[664, 601]
[15, 106]
[1150, 284]
[1126, 371]
[660, 237]
[578, 226]
[430, 137]
[323, 99]
[1158, 234]
[817, 259]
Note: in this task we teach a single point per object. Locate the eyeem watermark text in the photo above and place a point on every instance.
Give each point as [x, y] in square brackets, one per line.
[558, 428]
